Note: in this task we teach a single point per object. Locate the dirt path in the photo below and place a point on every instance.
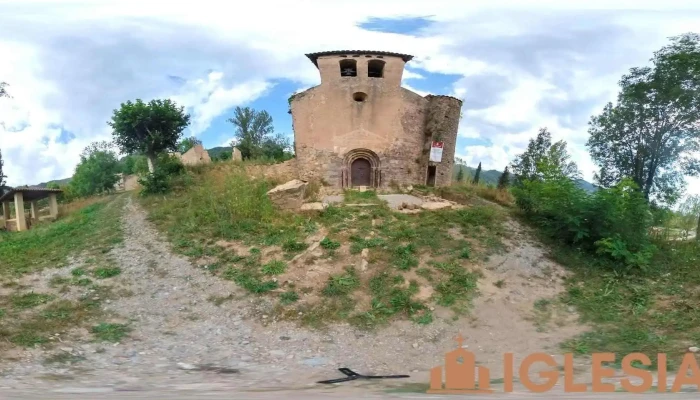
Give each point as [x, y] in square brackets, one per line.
[176, 327]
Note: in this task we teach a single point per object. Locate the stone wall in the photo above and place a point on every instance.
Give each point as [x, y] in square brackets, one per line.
[194, 156]
[441, 125]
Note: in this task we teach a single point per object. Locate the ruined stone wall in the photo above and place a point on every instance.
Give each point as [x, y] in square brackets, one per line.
[194, 156]
[282, 172]
[441, 125]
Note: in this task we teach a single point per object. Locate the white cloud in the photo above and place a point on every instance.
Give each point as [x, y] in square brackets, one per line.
[524, 64]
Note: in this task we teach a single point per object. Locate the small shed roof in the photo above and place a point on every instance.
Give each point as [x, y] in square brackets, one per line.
[30, 193]
[314, 56]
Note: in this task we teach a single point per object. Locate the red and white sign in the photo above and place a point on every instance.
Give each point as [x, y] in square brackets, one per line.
[436, 151]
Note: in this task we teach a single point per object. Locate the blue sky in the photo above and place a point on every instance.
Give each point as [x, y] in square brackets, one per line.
[518, 65]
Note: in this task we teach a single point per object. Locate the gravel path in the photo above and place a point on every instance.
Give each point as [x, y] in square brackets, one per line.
[177, 329]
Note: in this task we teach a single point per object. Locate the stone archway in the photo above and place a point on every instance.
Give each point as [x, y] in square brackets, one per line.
[361, 167]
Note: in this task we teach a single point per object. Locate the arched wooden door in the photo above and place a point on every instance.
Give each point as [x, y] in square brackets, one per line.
[360, 171]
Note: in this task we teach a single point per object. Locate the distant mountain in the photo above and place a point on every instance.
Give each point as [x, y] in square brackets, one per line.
[61, 182]
[490, 177]
[215, 151]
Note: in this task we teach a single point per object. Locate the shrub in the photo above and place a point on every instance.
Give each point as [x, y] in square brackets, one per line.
[156, 183]
[613, 223]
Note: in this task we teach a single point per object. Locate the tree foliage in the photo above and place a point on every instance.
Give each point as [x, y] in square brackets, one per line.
[254, 136]
[477, 175]
[541, 157]
[148, 128]
[187, 143]
[651, 134]
[97, 170]
[134, 164]
[460, 174]
[2, 174]
[613, 222]
[504, 179]
[3, 91]
[690, 215]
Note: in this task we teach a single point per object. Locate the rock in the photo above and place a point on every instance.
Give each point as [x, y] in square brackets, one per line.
[363, 265]
[313, 206]
[315, 361]
[415, 345]
[246, 358]
[67, 349]
[276, 353]
[436, 205]
[236, 155]
[187, 367]
[288, 196]
[365, 253]
[694, 349]
[285, 338]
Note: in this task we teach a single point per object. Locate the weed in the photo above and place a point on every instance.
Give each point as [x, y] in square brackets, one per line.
[249, 281]
[500, 283]
[83, 282]
[290, 297]
[329, 244]
[274, 267]
[28, 339]
[404, 257]
[107, 332]
[29, 300]
[460, 285]
[343, 284]
[293, 246]
[465, 253]
[106, 272]
[56, 281]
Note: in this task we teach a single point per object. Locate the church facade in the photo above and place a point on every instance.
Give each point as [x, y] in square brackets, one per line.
[359, 127]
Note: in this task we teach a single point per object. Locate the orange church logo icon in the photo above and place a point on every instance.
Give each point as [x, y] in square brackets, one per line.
[460, 373]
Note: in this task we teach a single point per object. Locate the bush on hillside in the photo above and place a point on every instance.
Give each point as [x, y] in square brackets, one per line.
[160, 181]
[612, 222]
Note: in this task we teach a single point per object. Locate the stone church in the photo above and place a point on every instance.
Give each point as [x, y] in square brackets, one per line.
[359, 127]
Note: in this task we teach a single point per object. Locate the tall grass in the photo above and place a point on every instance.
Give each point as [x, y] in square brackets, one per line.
[462, 191]
[224, 204]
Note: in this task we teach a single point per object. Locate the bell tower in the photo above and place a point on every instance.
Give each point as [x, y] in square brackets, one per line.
[363, 67]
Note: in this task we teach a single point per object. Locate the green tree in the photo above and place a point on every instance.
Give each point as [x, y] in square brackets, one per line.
[187, 143]
[460, 174]
[651, 134]
[477, 175]
[504, 179]
[540, 152]
[148, 128]
[53, 185]
[690, 215]
[3, 91]
[254, 138]
[97, 170]
[2, 175]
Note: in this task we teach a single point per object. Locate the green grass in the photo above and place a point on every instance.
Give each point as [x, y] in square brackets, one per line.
[107, 332]
[106, 272]
[274, 267]
[653, 312]
[29, 300]
[342, 284]
[226, 205]
[290, 297]
[94, 229]
[329, 244]
[357, 197]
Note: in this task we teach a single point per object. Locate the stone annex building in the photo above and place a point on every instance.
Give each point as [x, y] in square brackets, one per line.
[359, 127]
